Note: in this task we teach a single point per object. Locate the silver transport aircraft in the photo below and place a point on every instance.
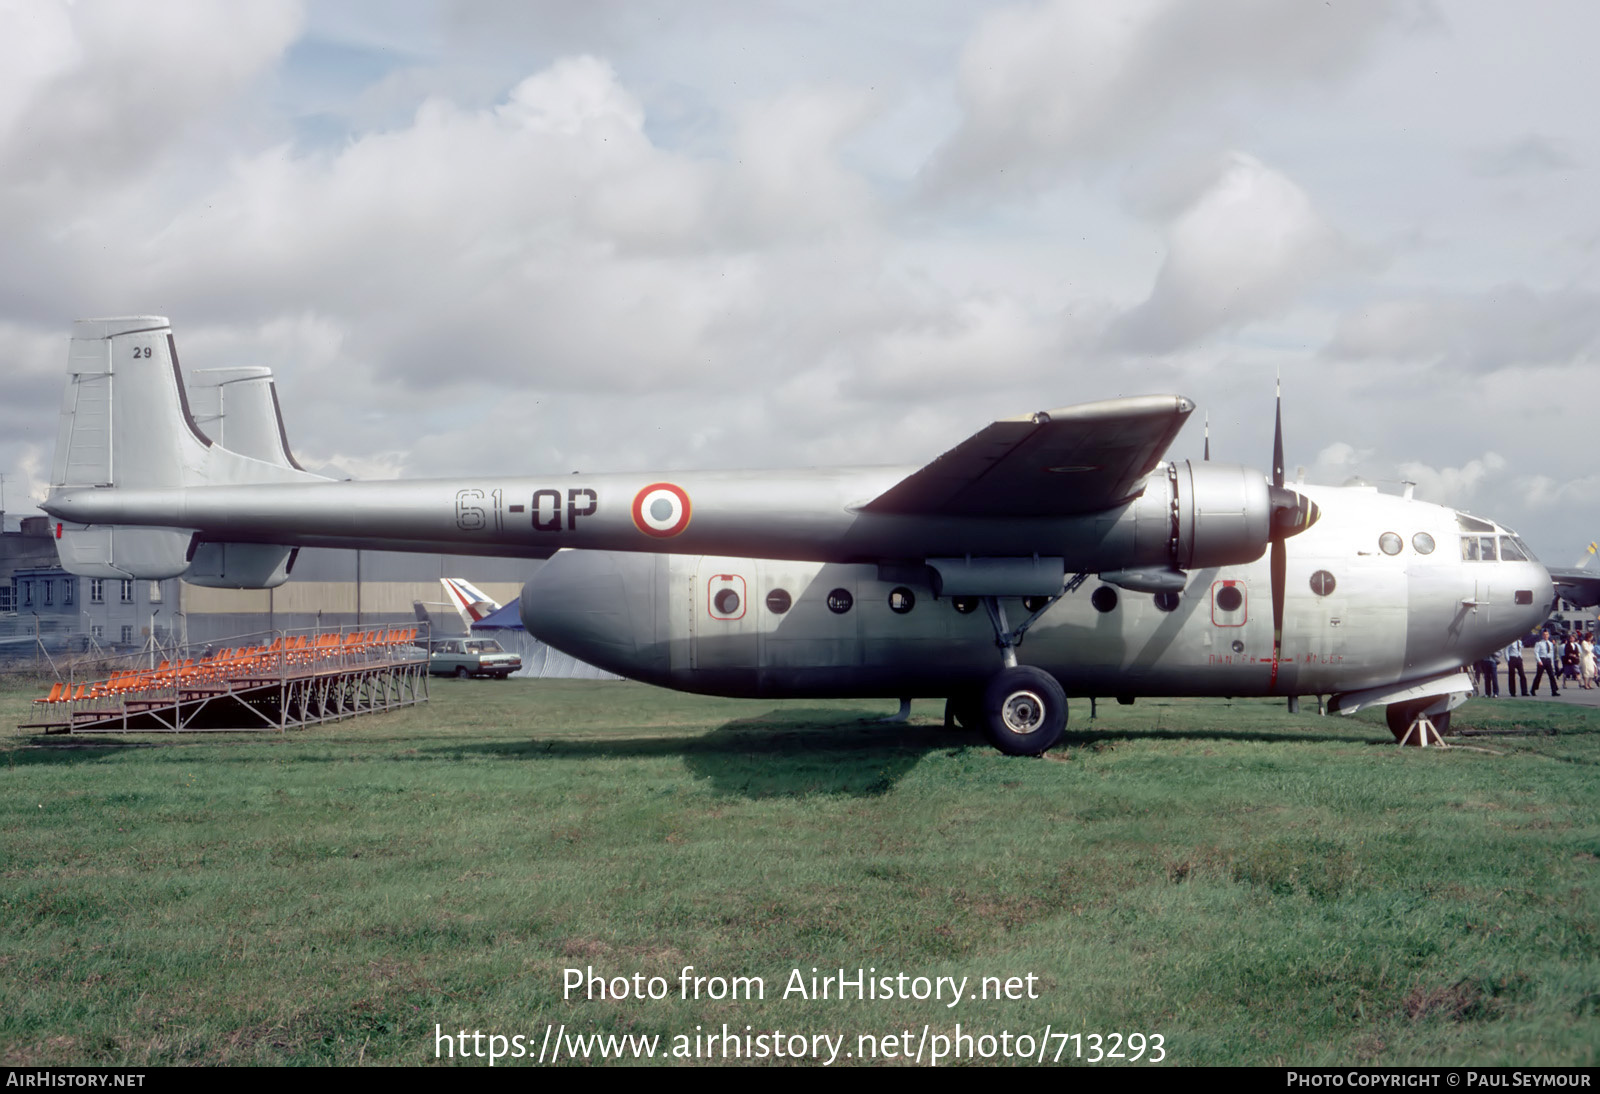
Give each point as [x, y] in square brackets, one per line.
[1049, 555]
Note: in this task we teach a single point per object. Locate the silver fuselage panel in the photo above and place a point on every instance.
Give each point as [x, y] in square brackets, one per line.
[1355, 617]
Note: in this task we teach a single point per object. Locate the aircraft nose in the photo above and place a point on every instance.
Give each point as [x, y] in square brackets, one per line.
[584, 603]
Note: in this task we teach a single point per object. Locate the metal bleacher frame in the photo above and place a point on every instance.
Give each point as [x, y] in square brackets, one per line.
[294, 679]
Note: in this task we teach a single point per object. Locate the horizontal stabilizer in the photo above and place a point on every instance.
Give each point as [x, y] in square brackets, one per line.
[115, 551]
[241, 565]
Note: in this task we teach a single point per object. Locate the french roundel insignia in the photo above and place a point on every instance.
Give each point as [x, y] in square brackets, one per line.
[661, 509]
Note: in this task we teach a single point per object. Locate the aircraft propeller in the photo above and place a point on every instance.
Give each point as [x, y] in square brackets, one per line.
[1292, 513]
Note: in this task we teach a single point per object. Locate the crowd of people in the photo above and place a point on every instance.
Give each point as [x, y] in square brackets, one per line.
[1569, 659]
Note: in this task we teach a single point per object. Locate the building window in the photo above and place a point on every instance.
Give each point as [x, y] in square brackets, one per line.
[97, 632]
[127, 590]
[155, 592]
[127, 634]
[8, 597]
[97, 590]
[27, 594]
[66, 590]
[49, 597]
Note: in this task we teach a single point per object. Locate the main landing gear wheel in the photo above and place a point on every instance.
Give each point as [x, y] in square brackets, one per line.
[1409, 728]
[1025, 711]
[461, 672]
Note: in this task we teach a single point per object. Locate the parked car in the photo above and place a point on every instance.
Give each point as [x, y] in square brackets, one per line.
[466, 657]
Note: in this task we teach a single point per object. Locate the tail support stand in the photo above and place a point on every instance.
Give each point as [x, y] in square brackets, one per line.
[1422, 734]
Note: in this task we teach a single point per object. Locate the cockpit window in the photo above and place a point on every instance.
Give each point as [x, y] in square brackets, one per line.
[1483, 549]
[1473, 524]
[1523, 547]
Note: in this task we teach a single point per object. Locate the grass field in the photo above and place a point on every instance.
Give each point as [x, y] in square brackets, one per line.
[1253, 886]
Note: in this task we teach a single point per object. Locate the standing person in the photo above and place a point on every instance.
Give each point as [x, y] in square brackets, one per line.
[1569, 658]
[1513, 656]
[1544, 653]
[1586, 662]
[1489, 674]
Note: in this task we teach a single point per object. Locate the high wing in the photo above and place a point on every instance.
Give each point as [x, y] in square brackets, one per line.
[1580, 587]
[1066, 462]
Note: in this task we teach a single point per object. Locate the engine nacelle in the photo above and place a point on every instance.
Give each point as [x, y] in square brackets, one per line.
[1221, 514]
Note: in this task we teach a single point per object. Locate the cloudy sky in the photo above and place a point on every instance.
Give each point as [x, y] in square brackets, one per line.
[542, 237]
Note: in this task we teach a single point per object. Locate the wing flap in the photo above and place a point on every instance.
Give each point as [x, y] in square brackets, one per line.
[1079, 459]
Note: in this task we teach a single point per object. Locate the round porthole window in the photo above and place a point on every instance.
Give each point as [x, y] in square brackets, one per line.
[1389, 543]
[1034, 603]
[840, 601]
[726, 601]
[1167, 602]
[1423, 542]
[1229, 598]
[778, 601]
[966, 605]
[1322, 583]
[1104, 598]
[902, 600]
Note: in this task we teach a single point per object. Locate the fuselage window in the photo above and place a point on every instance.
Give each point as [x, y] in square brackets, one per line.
[1229, 598]
[1469, 548]
[1322, 583]
[1510, 552]
[1167, 601]
[778, 601]
[1423, 542]
[965, 605]
[902, 600]
[1035, 603]
[840, 601]
[1104, 598]
[1390, 544]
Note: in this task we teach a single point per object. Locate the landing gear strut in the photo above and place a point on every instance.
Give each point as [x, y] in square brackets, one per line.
[1024, 710]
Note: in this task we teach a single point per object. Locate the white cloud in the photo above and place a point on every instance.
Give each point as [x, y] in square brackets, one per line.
[1243, 250]
[1497, 328]
[1454, 486]
[1066, 84]
[97, 88]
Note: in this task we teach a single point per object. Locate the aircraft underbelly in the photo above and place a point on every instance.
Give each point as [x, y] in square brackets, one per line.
[778, 628]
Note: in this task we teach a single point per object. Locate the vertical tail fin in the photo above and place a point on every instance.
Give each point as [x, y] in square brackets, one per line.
[126, 424]
[125, 417]
[470, 602]
[238, 408]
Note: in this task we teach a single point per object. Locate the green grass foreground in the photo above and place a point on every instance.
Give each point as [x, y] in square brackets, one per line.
[1254, 886]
